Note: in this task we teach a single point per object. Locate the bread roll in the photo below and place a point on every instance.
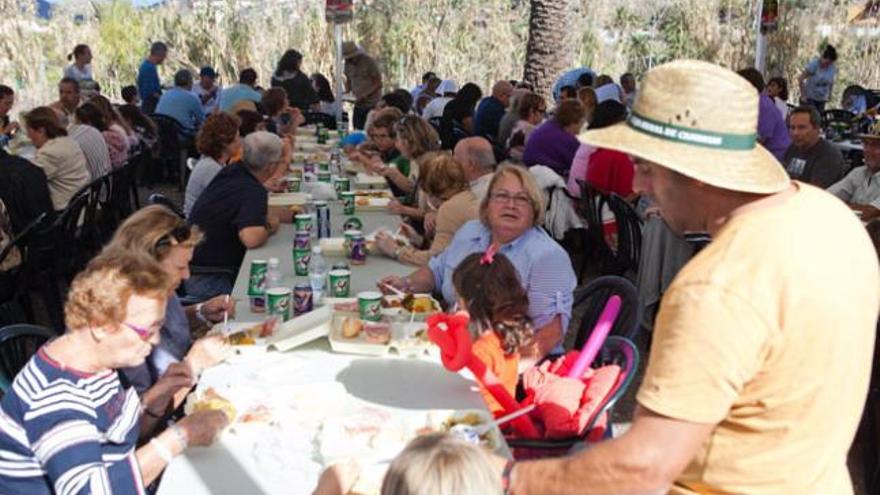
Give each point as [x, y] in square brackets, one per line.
[352, 327]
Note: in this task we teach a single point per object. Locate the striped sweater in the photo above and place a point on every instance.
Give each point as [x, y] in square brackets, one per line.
[67, 432]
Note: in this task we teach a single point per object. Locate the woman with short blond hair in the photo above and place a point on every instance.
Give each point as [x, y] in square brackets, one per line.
[446, 190]
[511, 216]
[159, 233]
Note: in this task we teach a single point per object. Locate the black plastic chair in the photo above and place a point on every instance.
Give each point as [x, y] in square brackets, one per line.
[161, 199]
[591, 300]
[629, 238]
[66, 233]
[17, 344]
[838, 123]
[616, 350]
[597, 252]
[15, 306]
[171, 162]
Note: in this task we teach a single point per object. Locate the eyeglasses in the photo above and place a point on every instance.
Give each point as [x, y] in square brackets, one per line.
[145, 334]
[179, 234]
[504, 197]
[375, 136]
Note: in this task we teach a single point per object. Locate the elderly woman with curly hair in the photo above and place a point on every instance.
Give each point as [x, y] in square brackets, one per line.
[218, 141]
[70, 424]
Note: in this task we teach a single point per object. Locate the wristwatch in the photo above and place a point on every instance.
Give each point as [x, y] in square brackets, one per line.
[199, 313]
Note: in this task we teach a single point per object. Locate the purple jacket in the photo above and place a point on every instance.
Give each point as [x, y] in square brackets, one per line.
[772, 130]
[550, 145]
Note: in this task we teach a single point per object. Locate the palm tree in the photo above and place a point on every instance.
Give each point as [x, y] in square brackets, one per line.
[548, 52]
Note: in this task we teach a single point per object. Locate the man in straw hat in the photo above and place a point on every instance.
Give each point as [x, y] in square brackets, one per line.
[860, 189]
[363, 78]
[762, 349]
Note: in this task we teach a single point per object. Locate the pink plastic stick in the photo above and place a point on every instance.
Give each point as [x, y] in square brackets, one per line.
[597, 338]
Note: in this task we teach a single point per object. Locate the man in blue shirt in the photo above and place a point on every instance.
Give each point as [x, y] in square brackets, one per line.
[148, 83]
[244, 90]
[180, 104]
[491, 110]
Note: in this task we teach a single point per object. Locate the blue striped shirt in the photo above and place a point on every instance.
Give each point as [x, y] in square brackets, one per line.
[544, 269]
[66, 432]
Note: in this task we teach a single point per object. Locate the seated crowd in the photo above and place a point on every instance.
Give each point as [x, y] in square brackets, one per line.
[469, 174]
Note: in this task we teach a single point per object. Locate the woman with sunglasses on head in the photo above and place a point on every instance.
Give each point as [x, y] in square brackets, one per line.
[157, 232]
[69, 424]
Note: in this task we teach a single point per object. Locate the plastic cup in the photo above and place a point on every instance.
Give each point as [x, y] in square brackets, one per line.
[340, 283]
[278, 302]
[370, 306]
[348, 202]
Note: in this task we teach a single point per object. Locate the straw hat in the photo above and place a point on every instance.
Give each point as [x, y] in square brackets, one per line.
[350, 49]
[873, 131]
[701, 121]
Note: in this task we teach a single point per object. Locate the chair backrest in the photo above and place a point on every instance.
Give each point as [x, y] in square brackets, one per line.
[622, 352]
[590, 301]
[11, 281]
[629, 235]
[161, 199]
[169, 136]
[17, 344]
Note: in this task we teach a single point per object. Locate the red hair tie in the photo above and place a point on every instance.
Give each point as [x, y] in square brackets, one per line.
[489, 255]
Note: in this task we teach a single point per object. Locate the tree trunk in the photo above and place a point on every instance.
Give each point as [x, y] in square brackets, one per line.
[549, 50]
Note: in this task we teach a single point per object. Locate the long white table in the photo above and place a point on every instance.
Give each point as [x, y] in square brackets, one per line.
[304, 388]
[280, 245]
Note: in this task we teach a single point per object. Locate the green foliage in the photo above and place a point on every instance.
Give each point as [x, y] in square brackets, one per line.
[468, 40]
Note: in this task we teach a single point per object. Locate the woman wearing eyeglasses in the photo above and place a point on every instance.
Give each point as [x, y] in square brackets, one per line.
[68, 424]
[511, 216]
[159, 233]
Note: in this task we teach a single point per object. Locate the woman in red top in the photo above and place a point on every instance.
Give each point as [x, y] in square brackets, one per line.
[610, 171]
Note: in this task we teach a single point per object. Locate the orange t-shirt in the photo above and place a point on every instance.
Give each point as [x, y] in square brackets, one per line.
[488, 349]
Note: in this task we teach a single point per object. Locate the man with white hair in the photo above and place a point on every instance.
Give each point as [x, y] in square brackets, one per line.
[476, 156]
[491, 110]
[233, 213]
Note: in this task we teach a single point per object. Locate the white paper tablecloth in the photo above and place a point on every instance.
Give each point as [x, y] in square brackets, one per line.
[305, 387]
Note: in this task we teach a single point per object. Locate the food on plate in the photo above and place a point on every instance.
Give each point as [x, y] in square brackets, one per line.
[419, 304]
[241, 338]
[352, 327]
[212, 401]
[391, 302]
[257, 414]
[421, 334]
[373, 194]
[362, 202]
[462, 427]
[377, 333]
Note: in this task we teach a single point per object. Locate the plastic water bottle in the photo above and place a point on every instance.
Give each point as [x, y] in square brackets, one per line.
[317, 273]
[273, 274]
